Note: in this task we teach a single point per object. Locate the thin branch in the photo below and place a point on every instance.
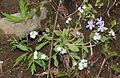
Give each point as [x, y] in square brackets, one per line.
[50, 55]
[103, 63]
[108, 11]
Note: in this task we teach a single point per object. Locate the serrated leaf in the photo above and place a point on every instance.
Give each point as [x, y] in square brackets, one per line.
[20, 58]
[22, 47]
[23, 8]
[41, 45]
[41, 63]
[57, 32]
[33, 68]
[30, 62]
[73, 47]
[13, 18]
[55, 60]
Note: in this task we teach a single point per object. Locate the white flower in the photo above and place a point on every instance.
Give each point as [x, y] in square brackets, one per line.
[80, 9]
[80, 66]
[43, 56]
[112, 33]
[59, 49]
[35, 55]
[68, 20]
[83, 64]
[102, 29]
[97, 36]
[63, 51]
[33, 34]
[84, 6]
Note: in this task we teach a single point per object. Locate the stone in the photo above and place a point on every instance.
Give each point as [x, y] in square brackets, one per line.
[24, 27]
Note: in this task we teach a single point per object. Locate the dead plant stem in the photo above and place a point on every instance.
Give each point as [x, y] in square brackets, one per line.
[103, 63]
[50, 55]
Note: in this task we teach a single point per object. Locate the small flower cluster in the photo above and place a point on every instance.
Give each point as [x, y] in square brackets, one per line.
[68, 20]
[33, 34]
[42, 57]
[83, 64]
[99, 23]
[101, 28]
[61, 50]
[81, 9]
[112, 33]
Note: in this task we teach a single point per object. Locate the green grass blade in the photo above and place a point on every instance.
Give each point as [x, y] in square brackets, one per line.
[12, 18]
[23, 8]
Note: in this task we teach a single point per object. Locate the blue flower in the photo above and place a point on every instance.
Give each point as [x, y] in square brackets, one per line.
[100, 22]
[90, 25]
[102, 29]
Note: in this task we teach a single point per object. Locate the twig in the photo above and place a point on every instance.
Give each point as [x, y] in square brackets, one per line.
[91, 49]
[101, 67]
[50, 55]
[108, 3]
[74, 11]
[108, 11]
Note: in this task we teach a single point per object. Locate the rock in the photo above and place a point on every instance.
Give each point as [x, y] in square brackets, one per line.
[24, 27]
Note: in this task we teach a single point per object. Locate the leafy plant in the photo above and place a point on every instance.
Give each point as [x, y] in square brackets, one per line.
[24, 15]
[29, 53]
[69, 72]
[107, 51]
[99, 3]
[115, 68]
[64, 44]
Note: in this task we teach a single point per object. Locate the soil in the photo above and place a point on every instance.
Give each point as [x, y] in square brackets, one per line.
[9, 57]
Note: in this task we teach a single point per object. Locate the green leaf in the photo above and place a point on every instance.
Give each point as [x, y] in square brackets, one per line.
[86, 1]
[23, 8]
[85, 48]
[73, 47]
[65, 33]
[22, 47]
[47, 37]
[57, 32]
[40, 63]
[55, 60]
[75, 56]
[13, 18]
[41, 45]
[33, 68]
[108, 52]
[61, 74]
[115, 68]
[30, 62]
[103, 39]
[113, 23]
[19, 59]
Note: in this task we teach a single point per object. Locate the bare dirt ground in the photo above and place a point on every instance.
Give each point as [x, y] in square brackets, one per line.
[21, 71]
